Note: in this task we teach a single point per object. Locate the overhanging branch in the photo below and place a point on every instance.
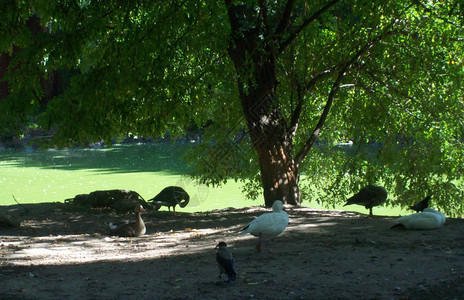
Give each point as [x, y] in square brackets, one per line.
[333, 91]
[308, 21]
[317, 130]
[301, 91]
[285, 20]
[234, 24]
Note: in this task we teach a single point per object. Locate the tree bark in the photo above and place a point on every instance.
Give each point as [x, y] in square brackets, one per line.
[270, 137]
[254, 59]
[279, 175]
[273, 144]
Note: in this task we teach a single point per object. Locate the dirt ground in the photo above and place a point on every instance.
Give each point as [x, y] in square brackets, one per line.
[61, 252]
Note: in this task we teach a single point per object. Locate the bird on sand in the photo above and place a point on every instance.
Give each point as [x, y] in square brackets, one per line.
[134, 229]
[225, 261]
[170, 196]
[420, 206]
[369, 196]
[429, 218]
[268, 225]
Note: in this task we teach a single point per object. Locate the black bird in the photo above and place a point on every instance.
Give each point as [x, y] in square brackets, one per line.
[369, 196]
[225, 261]
[420, 206]
[170, 196]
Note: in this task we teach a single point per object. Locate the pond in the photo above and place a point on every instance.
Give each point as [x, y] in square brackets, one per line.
[55, 175]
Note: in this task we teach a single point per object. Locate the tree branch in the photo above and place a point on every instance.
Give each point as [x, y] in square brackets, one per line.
[394, 90]
[308, 21]
[335, 87]
[234, 24]
[285, 20]
[317, 130]
[301, 90]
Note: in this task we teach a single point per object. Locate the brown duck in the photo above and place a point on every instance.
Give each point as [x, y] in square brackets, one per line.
[136, 228]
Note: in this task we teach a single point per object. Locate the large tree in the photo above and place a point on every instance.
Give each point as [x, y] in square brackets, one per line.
[267, 80]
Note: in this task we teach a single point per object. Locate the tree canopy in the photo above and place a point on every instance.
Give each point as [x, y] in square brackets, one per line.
[344, 93]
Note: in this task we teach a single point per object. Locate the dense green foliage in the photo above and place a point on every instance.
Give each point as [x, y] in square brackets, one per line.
[388, 73]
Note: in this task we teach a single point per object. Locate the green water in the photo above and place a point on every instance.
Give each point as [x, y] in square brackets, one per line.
[56, 175]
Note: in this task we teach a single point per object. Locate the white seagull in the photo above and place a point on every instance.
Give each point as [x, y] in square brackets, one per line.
[268, 225]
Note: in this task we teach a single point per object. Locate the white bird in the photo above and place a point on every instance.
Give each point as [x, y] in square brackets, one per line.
[268, 225]
[429, 218]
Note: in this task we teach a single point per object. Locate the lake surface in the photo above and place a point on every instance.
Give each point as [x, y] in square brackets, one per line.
[55, 175]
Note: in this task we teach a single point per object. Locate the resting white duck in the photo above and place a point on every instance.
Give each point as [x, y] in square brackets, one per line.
[429, 218]
[268, 225]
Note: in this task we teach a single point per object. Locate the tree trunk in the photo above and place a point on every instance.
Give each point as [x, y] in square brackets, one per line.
[273, 144]
[279, 175]
[254, 58]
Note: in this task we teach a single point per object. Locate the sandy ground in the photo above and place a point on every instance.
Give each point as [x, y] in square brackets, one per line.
[61, 252]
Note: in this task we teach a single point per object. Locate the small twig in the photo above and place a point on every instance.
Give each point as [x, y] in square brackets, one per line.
[20, 205]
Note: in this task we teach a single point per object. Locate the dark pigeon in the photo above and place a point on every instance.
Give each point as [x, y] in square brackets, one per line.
[420, 206]
[225, 261]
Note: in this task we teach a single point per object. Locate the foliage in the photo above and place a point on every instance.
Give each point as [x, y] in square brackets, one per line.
[148, 67]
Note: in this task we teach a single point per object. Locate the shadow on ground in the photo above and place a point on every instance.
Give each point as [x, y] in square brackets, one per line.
[63, 252]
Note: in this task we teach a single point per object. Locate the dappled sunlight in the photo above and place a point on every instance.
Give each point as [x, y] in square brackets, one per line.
[64, 237]
[318, 249]
[67, 249]
[61, 236]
